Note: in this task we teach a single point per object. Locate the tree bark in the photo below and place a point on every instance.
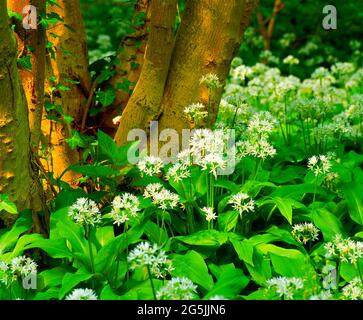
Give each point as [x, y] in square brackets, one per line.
[144, 105]
[16, 176]
[33, 80]
[131, 58]
[70, 64]
[208, 39]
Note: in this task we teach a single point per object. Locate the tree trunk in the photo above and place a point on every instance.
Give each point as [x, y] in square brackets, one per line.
[127, 72]
[208, 39]
[16, 178]
[144, 104]
[33, 80]
[70, 65]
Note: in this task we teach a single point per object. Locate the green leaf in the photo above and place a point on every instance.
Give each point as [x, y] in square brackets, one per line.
[70, 280]
[228, 220]
[54, 248]
[328, 223]
[192, 266]
[106, 97]
[109, 252]
[354, 196]
[9, 238]
[286, 262]
[7, 205]
[211, 238]
[25, 62]
[244, 250]
[53, 277]
[230, 283]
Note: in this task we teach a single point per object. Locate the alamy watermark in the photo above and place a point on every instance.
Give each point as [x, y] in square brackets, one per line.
[330, 21]
[30, 20]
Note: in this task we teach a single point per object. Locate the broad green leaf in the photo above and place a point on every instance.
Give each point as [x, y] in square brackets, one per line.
[244, 250]
[54, 248]
[328, 223]
[228, 220]
[354, 196]
[286, 262]
[9, 238]
[71, 280]
[192, 266]
[230, 283]
[7, 205]
[52, 277]
[212, 238]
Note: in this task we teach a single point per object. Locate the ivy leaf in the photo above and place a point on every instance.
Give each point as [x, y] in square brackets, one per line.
[7, 205]
[106, 97]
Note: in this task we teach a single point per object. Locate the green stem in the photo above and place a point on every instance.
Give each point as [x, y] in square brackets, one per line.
[90, 248]
[151, 283]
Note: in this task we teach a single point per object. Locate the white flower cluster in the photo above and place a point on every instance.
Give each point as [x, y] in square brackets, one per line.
[178, 171]
[177, 289]
[209, 149]
[241, 202]
[211, 81]
[85, 212]
[291, 60]
[161, 197]
[323, 295]
[124, 207]
[210, 215]
[320, 164]
[82, 294]
[17, 268]
[151, 257]
[353, 290]
[196, 113]
[346, 250]
[305, 232]
[150, 165]
[285, 287]
[256, 143]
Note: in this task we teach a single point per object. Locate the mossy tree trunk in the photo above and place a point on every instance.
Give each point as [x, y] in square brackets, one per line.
[145, 103]
[16, 175]
[208, 38]
[69, 68]
[128, 68]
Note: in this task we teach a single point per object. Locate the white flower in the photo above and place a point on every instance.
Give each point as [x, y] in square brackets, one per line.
[82, 294]
[209, 214]
[196, 112]
[241, 202]
[211, 81]
[209, 149]
[151, 257]
[124, 207]
[85, 212]
[161, 197]
[18, 267]
[354, 290]
[346, 250]
[305, 232]
[178, 172]
[150, 165]
[291, 60]
[323, 295]
[177, 289]
[285, 287]
[320, 164]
